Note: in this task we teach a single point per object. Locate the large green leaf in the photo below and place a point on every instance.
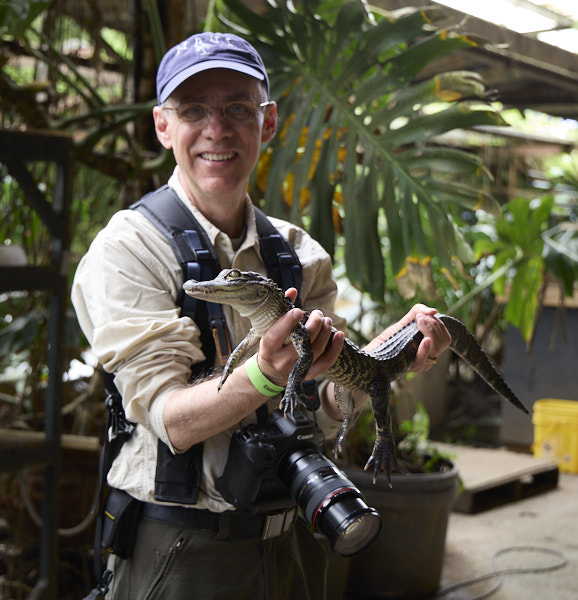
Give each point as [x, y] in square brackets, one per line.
[360, 121]
[518, 250]
[17, 15]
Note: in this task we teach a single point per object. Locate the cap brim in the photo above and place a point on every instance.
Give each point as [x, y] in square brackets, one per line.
[174, 83]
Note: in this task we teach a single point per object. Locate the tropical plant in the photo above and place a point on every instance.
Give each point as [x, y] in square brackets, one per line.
[45, 85]
[416, 449]
[516, 246]
[526, 247]
[357, 150]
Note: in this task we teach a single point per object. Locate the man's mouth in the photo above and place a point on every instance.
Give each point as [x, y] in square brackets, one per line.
[217, 157]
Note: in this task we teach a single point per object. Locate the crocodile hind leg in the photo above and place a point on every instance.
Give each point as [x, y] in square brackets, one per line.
[346, 405]
[383, 455]
[294, 394]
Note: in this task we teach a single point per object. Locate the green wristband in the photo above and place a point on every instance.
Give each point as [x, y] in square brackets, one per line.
[259, 381]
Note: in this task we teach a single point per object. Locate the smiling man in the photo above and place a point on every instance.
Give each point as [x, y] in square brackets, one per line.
[215, 123]
[185, 540]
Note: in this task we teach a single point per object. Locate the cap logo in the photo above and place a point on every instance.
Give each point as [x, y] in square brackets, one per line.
[214, 39]
[201, 47]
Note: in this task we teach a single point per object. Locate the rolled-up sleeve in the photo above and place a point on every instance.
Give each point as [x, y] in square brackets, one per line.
[125, 295]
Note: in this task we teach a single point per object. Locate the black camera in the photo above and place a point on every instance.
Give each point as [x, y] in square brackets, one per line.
[280, 459]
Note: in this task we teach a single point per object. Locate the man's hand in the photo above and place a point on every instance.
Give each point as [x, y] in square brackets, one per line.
[436, 337]
[276, 359]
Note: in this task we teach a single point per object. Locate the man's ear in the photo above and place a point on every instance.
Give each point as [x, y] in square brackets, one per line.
[162, 127]
[269, 123]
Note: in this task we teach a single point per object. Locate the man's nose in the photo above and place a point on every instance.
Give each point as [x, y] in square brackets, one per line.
[217, 123]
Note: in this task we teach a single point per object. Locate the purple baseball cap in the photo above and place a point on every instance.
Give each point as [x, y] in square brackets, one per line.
[205, 51]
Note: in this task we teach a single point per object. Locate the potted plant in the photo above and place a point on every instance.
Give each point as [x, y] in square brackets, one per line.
[406, 559]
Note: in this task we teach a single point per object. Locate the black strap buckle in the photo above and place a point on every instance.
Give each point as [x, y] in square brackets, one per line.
[119, 427]
[99, 592]
[220, 335]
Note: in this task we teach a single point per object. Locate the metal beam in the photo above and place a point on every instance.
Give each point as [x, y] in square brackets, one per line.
[525, 72]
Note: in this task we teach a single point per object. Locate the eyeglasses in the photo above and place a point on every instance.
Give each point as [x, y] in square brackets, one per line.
[239, 111]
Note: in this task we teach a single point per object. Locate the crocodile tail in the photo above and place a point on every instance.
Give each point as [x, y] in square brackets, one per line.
[465, 345]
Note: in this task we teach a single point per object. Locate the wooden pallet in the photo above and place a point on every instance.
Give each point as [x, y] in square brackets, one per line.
[493, 477]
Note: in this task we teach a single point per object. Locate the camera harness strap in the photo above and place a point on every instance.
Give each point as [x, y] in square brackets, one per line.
[177, 477]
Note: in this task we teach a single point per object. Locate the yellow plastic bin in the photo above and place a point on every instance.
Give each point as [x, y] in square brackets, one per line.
[556, 432]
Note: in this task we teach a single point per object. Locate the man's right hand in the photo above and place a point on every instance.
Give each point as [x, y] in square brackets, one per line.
[276, 358]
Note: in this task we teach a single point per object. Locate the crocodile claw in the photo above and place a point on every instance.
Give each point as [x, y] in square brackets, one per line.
[290, 401]
[382, 458]
[288, 404]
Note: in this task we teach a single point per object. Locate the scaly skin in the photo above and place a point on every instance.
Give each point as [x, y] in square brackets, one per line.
[263, 302]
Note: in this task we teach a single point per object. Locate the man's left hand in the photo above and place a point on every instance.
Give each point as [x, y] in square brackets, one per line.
[436, 337]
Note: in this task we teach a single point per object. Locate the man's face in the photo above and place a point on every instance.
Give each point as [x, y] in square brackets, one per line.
[215, 155]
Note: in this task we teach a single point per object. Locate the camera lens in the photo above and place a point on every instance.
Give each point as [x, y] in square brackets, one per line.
[350, 525]
[331, 503]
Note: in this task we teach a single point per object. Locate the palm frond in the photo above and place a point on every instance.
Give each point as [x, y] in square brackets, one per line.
[358, 121]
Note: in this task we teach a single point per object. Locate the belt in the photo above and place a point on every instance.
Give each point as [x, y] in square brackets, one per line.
[227, 525]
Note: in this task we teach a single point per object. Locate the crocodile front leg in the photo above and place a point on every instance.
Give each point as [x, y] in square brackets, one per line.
[294, 394]
[383, 455]
[238, 354]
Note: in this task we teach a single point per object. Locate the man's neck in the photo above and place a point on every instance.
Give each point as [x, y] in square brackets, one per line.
[226, 212]
[228, 217]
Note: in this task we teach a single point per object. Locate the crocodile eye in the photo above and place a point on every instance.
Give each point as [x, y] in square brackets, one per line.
[233, 274]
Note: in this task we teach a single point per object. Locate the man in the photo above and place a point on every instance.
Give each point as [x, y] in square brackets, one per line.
[214, 114]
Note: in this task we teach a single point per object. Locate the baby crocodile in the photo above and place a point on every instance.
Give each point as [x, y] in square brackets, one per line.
[263, 302]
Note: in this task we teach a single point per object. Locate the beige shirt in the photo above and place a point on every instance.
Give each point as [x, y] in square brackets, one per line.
[125, 295]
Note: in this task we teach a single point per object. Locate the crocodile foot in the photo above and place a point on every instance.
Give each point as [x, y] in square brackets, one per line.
[340, 439]
[382, 458]
[290, 402]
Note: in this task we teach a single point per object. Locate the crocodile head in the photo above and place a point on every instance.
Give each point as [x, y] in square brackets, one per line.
[251, 294]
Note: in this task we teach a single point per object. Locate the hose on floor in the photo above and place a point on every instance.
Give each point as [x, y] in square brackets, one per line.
[499, 574]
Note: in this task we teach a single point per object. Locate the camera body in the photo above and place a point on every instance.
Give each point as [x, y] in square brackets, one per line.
[255, 456]
[278, 464]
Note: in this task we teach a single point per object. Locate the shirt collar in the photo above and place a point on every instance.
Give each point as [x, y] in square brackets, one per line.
[213, 232]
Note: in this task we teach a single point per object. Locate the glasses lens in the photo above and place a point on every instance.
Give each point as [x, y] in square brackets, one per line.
[193, 112]
[240, 111]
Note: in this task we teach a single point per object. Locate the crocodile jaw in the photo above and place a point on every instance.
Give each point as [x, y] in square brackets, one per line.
[250, 294]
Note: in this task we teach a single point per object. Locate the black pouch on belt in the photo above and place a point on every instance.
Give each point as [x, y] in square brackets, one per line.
[119, 523]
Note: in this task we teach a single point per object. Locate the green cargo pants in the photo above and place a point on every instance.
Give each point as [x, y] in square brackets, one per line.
[176, 563]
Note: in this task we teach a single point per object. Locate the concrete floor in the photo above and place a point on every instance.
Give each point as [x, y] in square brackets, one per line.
[532, 534]
[547, 521]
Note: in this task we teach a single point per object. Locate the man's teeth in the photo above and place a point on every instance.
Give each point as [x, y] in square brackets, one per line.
[217, 157]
